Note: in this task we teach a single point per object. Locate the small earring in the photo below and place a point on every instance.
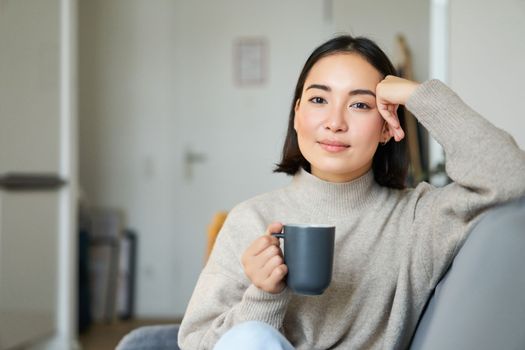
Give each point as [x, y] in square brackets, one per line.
[383, 143]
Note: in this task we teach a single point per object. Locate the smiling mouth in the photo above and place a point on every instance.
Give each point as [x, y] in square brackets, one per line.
[333, 146]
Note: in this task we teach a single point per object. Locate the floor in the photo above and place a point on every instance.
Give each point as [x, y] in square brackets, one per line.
[107, 336]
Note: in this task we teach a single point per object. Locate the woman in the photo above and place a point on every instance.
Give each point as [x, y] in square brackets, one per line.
[346, 153]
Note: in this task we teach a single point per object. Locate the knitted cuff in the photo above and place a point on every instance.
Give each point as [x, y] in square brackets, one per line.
[258, 305]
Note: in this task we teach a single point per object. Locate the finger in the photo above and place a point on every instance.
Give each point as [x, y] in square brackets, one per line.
[274, 227]
[277, 275]
[399, 133]
[392, 109]
[391, 119]
[389, 113]
[393, 122]
[260, 260]
[260, 244]
[271, 264]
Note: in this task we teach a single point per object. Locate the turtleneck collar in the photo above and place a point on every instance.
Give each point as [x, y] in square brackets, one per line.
[334, 198]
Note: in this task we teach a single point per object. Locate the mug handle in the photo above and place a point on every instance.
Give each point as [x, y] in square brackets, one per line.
[278, 235]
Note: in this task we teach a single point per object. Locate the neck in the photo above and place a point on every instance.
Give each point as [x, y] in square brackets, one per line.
[341, 177]
[334, 199]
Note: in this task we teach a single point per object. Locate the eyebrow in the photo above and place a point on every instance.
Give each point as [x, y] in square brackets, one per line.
[351, 93]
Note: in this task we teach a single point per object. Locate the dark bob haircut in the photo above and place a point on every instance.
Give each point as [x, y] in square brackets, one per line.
[390, 162]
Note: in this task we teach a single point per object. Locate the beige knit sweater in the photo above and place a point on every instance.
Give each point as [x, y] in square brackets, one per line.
[392, 246]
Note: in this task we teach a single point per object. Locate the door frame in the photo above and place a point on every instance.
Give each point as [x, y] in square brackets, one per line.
[65, 336]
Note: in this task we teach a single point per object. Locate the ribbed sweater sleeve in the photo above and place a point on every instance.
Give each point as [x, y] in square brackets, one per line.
[223, 296]
[484, 163]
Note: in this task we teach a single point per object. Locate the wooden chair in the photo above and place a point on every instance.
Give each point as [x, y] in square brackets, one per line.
[213, 230]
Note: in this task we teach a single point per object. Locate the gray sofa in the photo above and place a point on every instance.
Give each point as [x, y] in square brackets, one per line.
[479, 304]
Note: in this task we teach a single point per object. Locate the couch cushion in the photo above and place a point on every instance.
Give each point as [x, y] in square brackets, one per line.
[163, 337]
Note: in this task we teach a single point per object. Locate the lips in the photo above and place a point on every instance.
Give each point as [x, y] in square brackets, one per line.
[333, 146]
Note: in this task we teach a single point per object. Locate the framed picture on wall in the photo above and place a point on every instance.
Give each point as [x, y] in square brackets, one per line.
[250, 56]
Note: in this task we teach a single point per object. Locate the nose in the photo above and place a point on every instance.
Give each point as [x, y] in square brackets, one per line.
[336, 121]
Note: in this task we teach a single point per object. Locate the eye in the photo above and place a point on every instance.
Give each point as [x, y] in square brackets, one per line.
[317, 100]
[360, 105]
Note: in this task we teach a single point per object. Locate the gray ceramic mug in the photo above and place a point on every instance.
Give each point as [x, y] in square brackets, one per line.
[309, 256]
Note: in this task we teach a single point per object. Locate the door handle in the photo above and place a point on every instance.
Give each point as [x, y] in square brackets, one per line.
[31, 181]
[190, 159]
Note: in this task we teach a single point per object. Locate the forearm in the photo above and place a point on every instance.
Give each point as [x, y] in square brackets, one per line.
[218, 304]
[479, 156]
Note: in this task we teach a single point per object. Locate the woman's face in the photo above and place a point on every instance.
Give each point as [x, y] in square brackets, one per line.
[337, 122]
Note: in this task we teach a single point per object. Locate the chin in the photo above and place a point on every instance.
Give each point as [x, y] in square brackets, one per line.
[342, 168]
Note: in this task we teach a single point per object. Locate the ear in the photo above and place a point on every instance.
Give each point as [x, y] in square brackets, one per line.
[386, 133]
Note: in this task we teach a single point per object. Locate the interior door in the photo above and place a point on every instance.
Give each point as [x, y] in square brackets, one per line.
[30, 160]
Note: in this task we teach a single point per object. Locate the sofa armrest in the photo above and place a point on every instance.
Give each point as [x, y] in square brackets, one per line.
[480, 303]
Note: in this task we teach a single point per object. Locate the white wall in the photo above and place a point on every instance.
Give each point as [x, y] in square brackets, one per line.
[157, 78]
[382, 20]
[487, 55]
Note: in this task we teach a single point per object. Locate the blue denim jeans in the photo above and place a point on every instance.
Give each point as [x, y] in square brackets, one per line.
[253, 335]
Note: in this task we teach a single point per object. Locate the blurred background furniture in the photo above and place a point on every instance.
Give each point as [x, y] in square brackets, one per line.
[107, 267]
[213, 230]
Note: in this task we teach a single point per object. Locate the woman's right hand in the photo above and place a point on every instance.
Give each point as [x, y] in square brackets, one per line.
[263, 261]
[392, 92]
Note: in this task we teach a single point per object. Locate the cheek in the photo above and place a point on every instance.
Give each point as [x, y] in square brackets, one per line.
[304, 126]
[367, 137]
[368, 129]
[302, 134]
[305, 136]
[374, 130]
